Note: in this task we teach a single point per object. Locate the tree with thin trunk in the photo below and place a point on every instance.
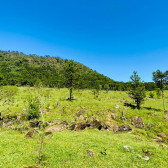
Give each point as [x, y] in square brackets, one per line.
[71, 76]
[161, 79]
[137, 89]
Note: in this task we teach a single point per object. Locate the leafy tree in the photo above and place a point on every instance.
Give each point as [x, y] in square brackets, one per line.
[161, 80]
[106, 87]
[137, 89]
[71, 76]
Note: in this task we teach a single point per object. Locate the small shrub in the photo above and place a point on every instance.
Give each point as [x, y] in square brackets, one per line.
[33, 109]
[158, 93]
[151, 94]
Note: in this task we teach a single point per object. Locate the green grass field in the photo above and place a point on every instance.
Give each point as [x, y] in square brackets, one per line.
[69, 148]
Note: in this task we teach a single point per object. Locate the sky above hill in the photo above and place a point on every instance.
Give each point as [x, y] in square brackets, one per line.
[114, 38]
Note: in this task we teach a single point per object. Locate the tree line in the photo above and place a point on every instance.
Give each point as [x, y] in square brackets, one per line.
[19, 69]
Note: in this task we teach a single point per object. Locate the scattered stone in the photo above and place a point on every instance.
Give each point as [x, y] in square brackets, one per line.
[166, 112]
[146, 158]
[90, 152]
[166, 118]
[7, 123]
[55, 128]
[162, 135]
[64, 122]
[21, 118]
[137, 121]
[124, 128]
[116, 106]
[96, 124]
[76, 118]
[127, 148]
[164, 145]
[72, 127]
[50, 123]
[31, 133]
[50, 107]
[24, 110]
[115, 128]
[80, 112]
[35, 123]
[47, 133]
[157, 139]
[123, 118]
[113, 116]
[112, 110]
[58, 104]
[81, 117]
[80, 126]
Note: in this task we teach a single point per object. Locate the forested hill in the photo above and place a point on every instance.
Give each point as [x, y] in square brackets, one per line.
[19, 69]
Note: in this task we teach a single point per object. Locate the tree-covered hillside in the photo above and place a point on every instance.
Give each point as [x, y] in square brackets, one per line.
[19, 69]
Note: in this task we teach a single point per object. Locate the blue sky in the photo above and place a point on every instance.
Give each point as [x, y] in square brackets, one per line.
[112, 37]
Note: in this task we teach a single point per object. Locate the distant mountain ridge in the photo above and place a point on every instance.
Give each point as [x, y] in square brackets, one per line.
[17, 68]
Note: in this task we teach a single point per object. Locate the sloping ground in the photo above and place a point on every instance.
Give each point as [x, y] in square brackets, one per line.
[89, 147]
[69, 149]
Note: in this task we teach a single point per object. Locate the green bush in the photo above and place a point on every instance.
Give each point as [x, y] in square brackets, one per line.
[158, 92]
[33, 109]
[151, 94]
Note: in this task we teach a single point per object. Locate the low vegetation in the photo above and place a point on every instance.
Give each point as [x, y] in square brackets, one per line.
[64, 139]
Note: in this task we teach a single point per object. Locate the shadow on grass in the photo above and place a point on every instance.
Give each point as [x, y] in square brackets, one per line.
[150, 108]
[147, 108]
[130, 105]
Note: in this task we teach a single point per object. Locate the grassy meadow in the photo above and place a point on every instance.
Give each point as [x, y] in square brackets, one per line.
[69, 148]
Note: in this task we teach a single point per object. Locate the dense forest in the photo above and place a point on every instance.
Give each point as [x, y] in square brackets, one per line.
[19, 69]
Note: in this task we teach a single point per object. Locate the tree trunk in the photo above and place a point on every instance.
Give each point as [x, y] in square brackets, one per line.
[163, 100]
[70, 96]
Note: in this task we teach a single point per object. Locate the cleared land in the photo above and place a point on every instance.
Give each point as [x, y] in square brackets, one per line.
[69, 148]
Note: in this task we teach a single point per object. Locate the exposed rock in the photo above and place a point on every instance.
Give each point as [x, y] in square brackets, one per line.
[76, 118]
[64, 122]
[21, 118]
[137, 121]
[24, 110]
[116, 106]
[124, 128]
[166, 112]
[115, 128]
[112, 110]
[96, 124]
[35, 123]
[51, 123]
[71, 127]
[55, 128]
[113, 116]
[58, 104]
[50, 107]
[157, 139]
[7, 123]
[90, 152]
[80, 112]
[146, 158]
[81, 117]
[48, 133]
[162, 135]
[80, 126]
[166, 118]
[123, 118]
[127, 148]
[31, 133]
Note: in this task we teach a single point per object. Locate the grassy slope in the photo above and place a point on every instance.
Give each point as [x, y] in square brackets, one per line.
[68, 148]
